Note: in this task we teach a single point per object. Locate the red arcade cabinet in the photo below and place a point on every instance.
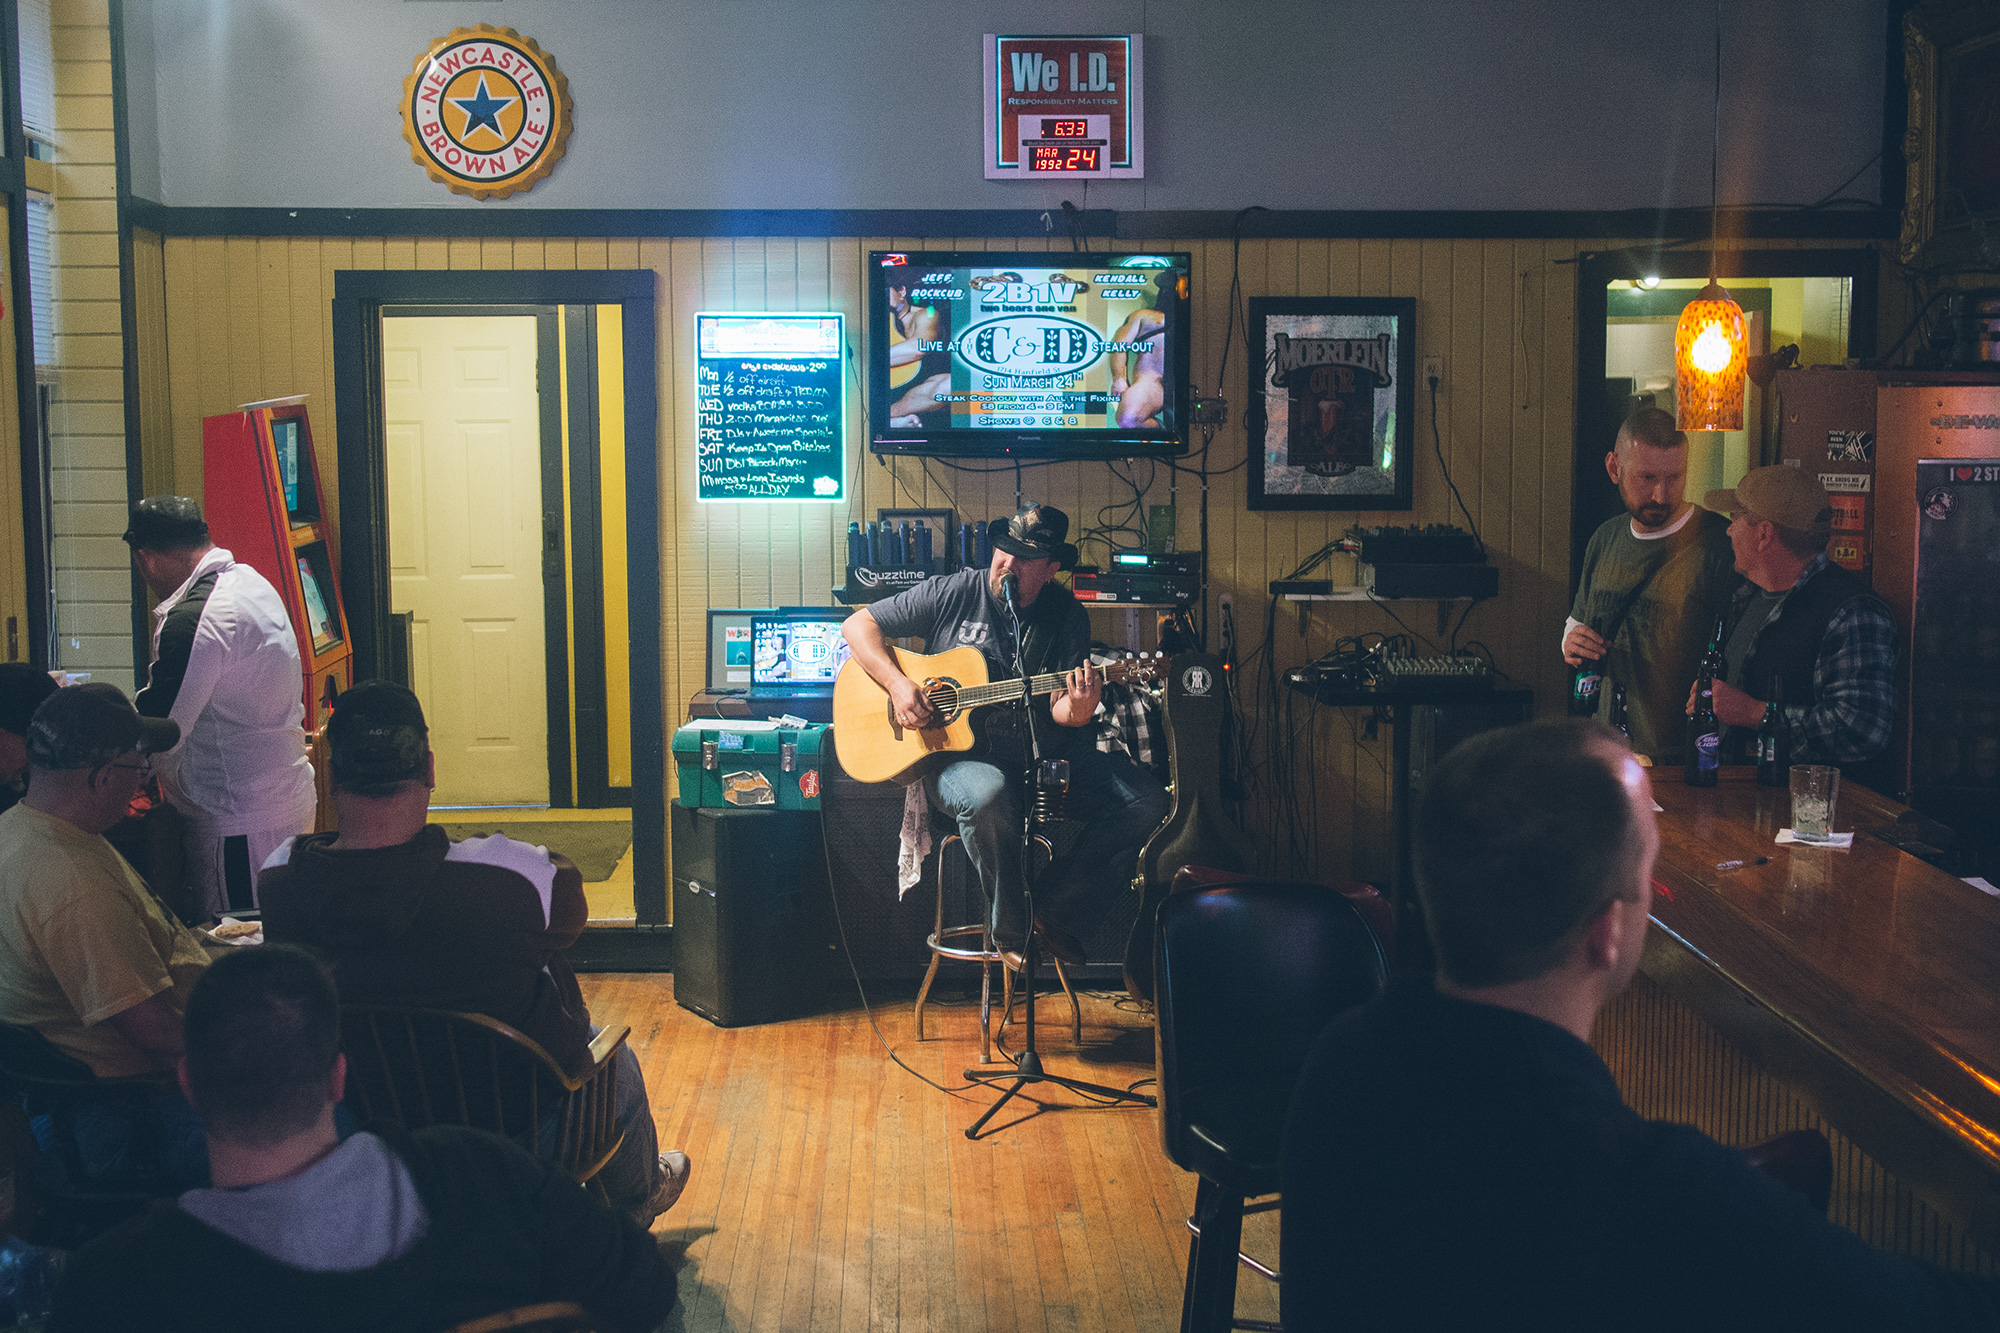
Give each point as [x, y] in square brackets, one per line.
[262, 500]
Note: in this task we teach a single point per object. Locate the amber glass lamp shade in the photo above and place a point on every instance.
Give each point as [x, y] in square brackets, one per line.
[1711, 354]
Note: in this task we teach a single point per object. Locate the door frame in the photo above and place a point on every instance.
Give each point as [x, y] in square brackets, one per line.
[359, 298]
[1593, 429]
[548, 460]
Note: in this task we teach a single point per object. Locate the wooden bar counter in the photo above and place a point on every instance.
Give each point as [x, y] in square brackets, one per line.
[1866, 980]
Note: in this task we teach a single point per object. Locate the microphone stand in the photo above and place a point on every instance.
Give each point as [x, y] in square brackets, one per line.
[1028, 1067]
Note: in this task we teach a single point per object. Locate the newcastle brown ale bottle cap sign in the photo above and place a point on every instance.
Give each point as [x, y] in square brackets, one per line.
[486, 112]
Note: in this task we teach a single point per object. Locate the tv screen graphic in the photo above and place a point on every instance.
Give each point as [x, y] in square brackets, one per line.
[797, 650]
[285, 437]
[315, 584]
[1029, 354]
[292, 444]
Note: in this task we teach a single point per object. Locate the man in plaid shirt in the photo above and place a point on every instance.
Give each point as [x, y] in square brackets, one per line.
[1804, 631]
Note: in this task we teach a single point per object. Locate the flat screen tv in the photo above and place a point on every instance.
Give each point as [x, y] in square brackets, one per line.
[1028, 354]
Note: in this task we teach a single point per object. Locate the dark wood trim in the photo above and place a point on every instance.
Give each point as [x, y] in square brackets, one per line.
[128, 328]
[623, 949]
[1095, 224]
[359, 300]
[1895, 169]
[360, 475]
[35, 500]
[586, 575]
[555, 563]
[1593, 431]
[643, 610]
[447, 311]
[435, 287]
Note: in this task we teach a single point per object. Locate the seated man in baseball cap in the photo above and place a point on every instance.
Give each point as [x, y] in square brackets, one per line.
[409, 918]
[88, 957]
[22, 689]
[1804, 632]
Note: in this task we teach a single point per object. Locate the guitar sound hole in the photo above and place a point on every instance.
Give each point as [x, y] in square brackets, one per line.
[943, 694]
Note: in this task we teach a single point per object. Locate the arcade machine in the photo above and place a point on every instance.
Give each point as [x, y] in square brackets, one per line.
[262, 498]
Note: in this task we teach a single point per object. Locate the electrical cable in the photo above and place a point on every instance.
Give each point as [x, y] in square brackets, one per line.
[840, 928]
[1462, 617]
[1437, 443]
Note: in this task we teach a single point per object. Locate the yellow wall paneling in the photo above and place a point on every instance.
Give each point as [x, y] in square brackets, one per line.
[249, 317]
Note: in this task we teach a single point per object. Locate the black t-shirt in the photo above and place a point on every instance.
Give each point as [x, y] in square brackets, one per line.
[960, 611]
[1456, 1165]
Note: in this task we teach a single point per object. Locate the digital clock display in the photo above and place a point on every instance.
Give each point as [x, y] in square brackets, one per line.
[1065, 129]
[1062, 157]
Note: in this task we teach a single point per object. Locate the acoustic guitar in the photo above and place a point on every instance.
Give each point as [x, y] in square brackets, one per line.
[874, 747]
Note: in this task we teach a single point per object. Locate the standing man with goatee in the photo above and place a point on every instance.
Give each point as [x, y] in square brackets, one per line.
[1654, 579]
[226, 668]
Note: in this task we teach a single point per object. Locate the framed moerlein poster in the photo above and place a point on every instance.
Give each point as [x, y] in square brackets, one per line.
[1332, 402]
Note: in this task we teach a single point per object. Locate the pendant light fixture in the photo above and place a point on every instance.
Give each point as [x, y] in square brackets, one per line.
[1711, 342]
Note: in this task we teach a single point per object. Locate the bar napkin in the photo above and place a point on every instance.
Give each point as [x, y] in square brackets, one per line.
[1840, 840]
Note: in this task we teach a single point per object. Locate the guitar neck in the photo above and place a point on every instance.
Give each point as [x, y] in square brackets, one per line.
[1005, 691]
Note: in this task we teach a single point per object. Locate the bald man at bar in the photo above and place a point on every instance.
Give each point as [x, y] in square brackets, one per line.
[1654, 579]
[1458, 1157]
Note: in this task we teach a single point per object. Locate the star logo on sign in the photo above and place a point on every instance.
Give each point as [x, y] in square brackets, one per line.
[482, 109]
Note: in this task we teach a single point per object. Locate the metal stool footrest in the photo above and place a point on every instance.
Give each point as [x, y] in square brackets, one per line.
[986, 955]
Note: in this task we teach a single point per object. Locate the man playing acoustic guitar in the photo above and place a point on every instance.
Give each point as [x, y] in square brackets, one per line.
[1119, 802]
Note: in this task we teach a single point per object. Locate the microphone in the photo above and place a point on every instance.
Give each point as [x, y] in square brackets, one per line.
[1010, 591]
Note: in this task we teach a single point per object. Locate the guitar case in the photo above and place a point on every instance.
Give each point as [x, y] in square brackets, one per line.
[1198, 829]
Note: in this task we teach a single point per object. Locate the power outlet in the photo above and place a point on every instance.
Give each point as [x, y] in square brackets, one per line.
[1434, 370]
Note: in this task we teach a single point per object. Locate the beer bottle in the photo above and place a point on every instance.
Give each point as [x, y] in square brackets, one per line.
[1712, 664]
[1774, 744]
[1704, 751]
[1618, 722]
[1584, 684]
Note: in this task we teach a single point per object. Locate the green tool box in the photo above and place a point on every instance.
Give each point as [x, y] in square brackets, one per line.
[751, 765]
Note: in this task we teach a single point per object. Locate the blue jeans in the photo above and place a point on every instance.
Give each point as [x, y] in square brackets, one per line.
[155, 1126]
[1119, 803]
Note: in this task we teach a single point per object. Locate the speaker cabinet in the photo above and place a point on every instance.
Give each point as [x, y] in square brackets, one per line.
[885, 934]
[753, 942]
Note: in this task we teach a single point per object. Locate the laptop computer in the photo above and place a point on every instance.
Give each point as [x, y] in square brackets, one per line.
[795, 652]
[729, 646]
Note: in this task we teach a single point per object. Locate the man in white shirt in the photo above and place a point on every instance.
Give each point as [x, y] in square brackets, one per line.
[226, 668]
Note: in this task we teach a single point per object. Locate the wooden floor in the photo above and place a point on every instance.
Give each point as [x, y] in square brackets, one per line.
[833, 1190]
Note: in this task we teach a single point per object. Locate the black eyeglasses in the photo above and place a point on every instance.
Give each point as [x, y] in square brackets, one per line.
[144, 768]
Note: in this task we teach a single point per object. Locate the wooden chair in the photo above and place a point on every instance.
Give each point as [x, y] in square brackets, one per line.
[325, 817]
[422, 1067]
[545, 1317]
[56, 1203]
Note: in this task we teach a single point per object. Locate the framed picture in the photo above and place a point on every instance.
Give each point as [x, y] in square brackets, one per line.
[1951, 193]
[1332, 402]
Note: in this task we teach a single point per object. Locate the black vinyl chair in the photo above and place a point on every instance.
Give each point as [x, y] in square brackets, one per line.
[1247, 977]
[56, 1203]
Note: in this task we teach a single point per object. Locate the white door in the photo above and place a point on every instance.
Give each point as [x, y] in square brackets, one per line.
[465, 547]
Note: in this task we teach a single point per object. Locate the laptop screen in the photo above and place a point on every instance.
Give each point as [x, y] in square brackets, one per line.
[729, 646]
[797, 649]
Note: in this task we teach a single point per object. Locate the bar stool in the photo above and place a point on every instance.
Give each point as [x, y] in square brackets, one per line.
[986, 954]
